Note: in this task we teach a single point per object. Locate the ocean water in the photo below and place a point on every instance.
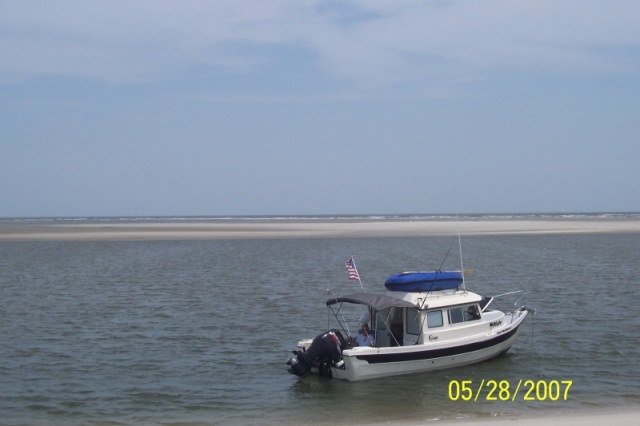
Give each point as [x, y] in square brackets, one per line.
[198, 332]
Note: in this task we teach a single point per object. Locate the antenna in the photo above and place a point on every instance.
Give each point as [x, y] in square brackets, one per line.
[459, 240]
[461, 264]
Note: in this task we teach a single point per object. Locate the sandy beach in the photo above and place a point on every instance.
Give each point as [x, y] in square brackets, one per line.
[622, 417]
[296, 228]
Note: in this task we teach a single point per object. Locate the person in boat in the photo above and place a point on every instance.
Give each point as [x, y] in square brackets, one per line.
[472, 313]
[365, 335]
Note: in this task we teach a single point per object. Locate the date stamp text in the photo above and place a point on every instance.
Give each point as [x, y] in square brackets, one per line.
[504, 390]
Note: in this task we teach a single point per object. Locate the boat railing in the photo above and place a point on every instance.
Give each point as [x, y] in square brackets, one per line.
[522, 294]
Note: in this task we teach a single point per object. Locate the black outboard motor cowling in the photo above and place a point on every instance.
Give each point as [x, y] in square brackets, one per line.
[325, 350]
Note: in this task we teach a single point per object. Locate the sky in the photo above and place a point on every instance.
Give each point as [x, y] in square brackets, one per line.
[303, 107]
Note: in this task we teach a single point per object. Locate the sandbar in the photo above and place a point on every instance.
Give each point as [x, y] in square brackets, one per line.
[608, 416]
[316, 228]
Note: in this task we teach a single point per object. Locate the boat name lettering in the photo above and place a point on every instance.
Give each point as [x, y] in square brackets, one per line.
[432, 338]
[495, 323]
[504, 331]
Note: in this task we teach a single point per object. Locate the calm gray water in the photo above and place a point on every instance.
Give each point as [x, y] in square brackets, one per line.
[183, 332]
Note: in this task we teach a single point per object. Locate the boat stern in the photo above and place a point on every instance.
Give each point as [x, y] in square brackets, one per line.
[323, 351]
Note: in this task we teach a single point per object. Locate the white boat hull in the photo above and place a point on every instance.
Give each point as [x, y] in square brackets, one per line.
[371, 363]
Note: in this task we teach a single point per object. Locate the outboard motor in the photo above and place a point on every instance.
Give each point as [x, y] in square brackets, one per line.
[325, 350]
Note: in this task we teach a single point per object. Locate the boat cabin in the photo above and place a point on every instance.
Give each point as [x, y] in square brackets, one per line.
[404, 319]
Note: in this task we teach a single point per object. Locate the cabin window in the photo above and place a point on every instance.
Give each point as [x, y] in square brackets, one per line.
[455, 315]
[463, 313]
[434, 319]
[413, 321]
[471, 313]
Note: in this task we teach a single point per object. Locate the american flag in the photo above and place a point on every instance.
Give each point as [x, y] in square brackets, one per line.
[351, 269]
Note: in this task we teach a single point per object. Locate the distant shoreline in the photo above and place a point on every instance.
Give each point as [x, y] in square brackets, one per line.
[318, 217]
[319, 227]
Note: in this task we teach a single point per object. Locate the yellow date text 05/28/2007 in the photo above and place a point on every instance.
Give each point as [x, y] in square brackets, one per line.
[494, 390]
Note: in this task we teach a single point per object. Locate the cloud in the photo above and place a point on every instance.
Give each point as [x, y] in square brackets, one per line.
[367, 44]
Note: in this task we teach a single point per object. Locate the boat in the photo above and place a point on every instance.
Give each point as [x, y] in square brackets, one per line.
[424, 321]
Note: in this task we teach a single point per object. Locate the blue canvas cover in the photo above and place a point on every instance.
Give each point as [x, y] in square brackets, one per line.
[424, 281]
